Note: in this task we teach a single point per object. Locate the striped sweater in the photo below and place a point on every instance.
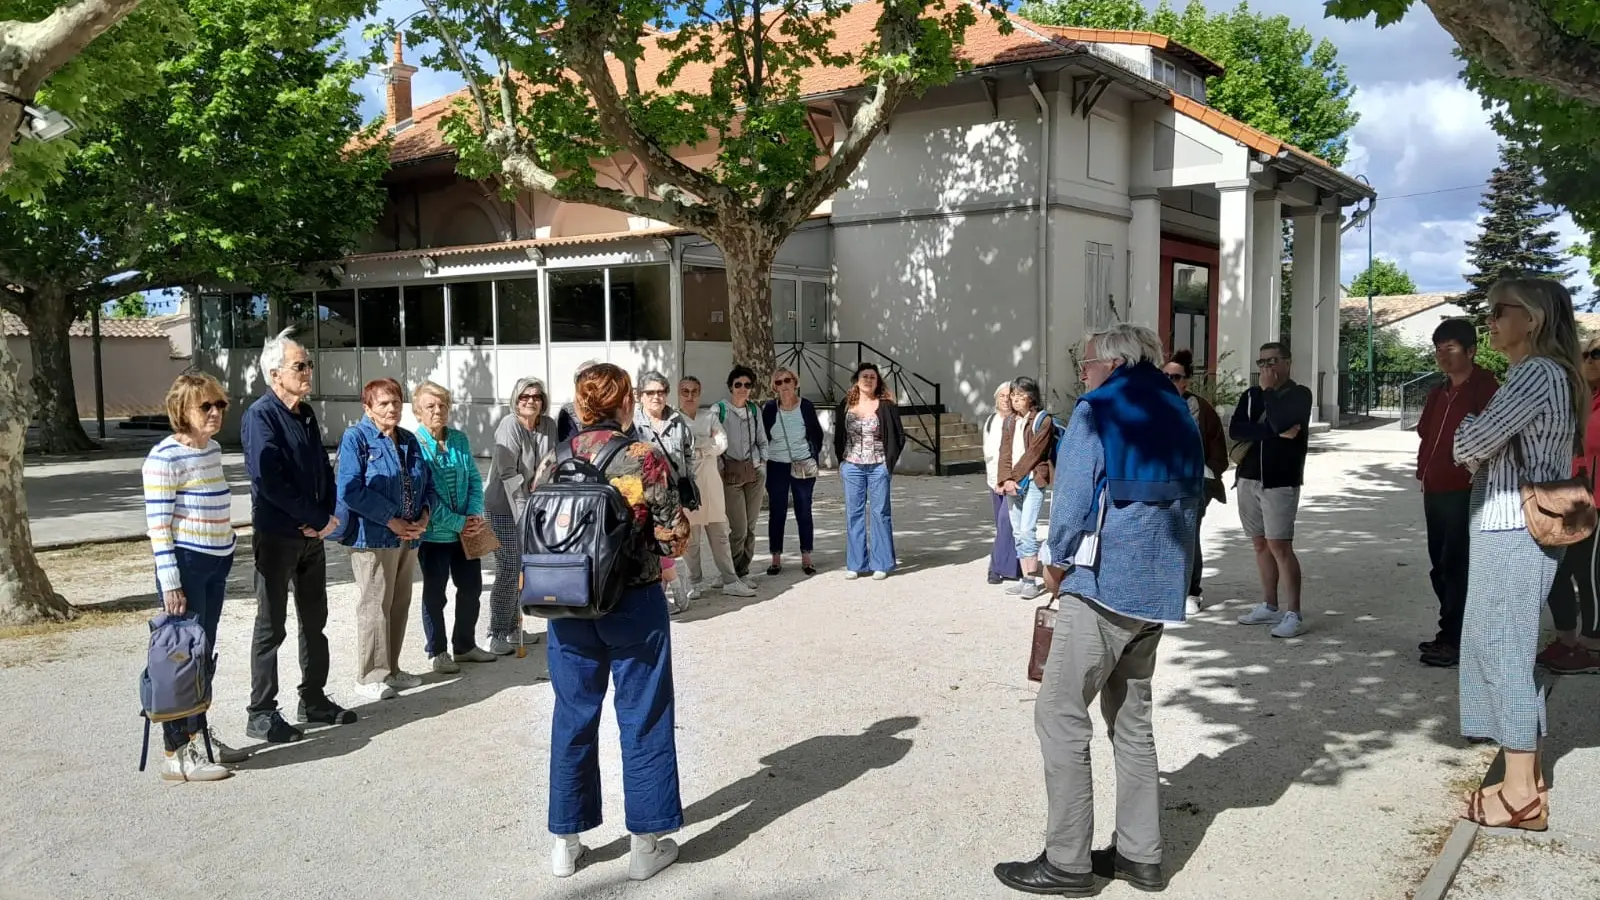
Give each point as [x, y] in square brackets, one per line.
[187, 503]
[1533, 412]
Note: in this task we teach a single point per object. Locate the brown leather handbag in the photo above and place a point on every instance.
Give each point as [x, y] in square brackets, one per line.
[1558, 513]
[1044, 631]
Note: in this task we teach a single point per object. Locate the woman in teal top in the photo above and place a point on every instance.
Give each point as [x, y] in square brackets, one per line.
[457, 511]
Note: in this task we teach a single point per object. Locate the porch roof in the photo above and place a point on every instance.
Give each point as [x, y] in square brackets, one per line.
[610, 237]
[12, 326]
[1391, 309]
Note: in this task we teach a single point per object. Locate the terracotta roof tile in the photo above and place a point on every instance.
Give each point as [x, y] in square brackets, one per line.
[1391, 309]
[1202, 63]
[109, 328]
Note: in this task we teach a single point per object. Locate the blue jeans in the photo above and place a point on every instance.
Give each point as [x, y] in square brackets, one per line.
[633, 644]
[1025, 509]
[441, 564]
[204, 579]
[779, 487]
[867, 507]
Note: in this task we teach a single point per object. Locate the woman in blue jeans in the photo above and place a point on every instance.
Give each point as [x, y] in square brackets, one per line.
[188, 513]
[867, 438]
[794, 445]
[1024, 469]
[631, 644]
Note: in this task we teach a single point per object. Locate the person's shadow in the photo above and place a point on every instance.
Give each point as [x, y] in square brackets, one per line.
[789, 779]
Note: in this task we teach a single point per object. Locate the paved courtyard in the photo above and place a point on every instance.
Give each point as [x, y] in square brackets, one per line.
[837, 739]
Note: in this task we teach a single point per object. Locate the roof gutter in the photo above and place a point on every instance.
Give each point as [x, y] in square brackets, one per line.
[1041, 259]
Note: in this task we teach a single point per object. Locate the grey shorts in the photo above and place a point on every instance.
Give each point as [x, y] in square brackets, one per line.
[1267, 512]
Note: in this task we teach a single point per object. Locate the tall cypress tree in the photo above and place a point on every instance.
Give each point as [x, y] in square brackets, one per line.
[1515, 242]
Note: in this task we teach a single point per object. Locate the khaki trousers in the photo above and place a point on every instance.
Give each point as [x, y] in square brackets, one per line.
[383, 606]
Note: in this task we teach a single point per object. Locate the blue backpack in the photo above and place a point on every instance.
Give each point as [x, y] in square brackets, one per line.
[176, 683]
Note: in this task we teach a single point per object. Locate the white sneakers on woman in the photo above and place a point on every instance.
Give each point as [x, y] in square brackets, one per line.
[650, 854]
[564, 855]
[189, 763]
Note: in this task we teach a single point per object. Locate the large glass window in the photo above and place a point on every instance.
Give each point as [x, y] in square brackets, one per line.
[379, 324]
[298, 311]
[216, 321]
[249, 320]
[578, 305]
[519, 311]
[785, 310]
[641, 303]
[424, 304]
[336, 319]
[705, 304]
[472, 312]
[1191, 310]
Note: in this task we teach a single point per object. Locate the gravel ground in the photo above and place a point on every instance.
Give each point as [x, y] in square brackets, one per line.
[1516, 868]
[837, 739]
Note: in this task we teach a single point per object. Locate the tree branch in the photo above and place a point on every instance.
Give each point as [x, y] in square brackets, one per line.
[523, 172]
[1520, 39]
[870, 119]
[467, 71]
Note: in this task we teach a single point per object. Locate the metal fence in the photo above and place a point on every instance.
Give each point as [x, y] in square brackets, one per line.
[1380, 393]
[1413, 394]
[826, 369]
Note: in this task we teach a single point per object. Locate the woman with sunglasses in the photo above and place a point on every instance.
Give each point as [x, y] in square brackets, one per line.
[522, 441]
[1574, 602]
[794, 442]
[741, 468]
[668, 431]
[188, 513]
[1214, 438]
[867, 439]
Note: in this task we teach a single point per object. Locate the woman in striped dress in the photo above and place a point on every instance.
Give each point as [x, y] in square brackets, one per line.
[1526, 433]
[188, 510]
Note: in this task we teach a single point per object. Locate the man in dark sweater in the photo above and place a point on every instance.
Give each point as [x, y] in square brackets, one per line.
[1273, 419]
[1447, 487]
[291, 510]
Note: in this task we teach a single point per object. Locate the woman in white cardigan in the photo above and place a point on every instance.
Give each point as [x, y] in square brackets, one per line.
[1003, 563]
[711, 519]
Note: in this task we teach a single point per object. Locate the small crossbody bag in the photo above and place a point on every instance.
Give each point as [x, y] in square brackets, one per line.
[1558, 513]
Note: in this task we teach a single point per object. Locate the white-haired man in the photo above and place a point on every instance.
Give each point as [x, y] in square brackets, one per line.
[1129, 477]
[291, 510]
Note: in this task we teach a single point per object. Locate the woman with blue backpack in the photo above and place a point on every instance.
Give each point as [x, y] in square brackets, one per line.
[188, 514]
[630, 642]
[1025, 467]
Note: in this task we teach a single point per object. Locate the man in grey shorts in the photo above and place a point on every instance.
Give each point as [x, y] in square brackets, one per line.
[1273, 419]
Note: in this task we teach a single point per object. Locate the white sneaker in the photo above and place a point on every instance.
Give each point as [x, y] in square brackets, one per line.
[650, 855]
[444, 665]
[717, 583]
[696, 592]
[189, 763]
[750, 582]
[220, 751]
[851, 576]
[403, 681]
[879, 576]
[1289, 627]
[1193, 604]
[476, 655]
[738, 589]
[1031, 588]
[564, 855]
[377, 690]
[500, 645]
[1261, 614]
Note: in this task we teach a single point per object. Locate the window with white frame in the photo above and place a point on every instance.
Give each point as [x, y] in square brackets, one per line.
[1100, 301]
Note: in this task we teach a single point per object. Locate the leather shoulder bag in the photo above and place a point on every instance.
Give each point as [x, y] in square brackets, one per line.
[1558, 513]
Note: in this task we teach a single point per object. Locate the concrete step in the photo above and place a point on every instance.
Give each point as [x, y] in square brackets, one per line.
[947, 441]
[957, 427]
[962, 455]
[926, 421]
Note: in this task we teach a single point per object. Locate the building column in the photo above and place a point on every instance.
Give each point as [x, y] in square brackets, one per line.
[1144, 262]
[1328, 319]
[1305, 283]
[1235, 353]
[1266, 262]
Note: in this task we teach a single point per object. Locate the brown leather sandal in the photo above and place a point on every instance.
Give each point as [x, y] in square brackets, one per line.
[1533, 817]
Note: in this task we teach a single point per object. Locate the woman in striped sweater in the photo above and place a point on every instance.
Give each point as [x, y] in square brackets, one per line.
[1527, 433]
[189, 514]
[456, 513]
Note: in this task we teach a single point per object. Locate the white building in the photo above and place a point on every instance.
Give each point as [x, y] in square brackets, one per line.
[1070, 179]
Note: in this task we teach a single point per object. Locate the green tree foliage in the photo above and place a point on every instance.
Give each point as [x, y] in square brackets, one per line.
[1514, 240]
[237, 167]
[1390, 351]
[582, 95]
[1384, 278]
[1277, 79]
[133, 306]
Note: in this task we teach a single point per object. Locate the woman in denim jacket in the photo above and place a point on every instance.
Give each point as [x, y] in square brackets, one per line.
[385, 489]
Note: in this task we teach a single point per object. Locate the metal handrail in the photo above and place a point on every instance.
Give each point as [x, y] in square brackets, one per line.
[1406, 423]
[810, 355]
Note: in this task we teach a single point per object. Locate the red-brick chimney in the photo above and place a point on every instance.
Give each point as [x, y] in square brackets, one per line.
[397, 76]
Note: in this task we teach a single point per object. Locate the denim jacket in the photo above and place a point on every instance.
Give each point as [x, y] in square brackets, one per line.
[371, 490]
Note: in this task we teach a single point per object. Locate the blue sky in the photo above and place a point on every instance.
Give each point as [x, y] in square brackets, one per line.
[1424, 138]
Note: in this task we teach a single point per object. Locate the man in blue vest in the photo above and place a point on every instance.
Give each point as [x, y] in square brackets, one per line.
[1130, 474]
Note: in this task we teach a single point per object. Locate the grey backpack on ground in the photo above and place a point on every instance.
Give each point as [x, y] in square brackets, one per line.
[176, 683]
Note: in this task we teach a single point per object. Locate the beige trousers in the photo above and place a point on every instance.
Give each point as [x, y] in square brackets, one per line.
[383, 606]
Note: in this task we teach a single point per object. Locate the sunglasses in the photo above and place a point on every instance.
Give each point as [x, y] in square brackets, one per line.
[742, 385]
[656, 392]
[211, 406]
[304, 365]
[531, 398]
[1593, 355]
[1176, 376]
[780, 382]
[1268, 363]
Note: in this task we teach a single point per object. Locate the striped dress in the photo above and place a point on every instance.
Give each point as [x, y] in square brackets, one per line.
[1509, 573]
[187, 503]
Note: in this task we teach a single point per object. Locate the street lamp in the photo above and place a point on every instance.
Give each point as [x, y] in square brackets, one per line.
[39, 123]
[1365, 216]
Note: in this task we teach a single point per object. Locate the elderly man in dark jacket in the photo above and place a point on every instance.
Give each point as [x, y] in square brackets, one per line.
[291, 510]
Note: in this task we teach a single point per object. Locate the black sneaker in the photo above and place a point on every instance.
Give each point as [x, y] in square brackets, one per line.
[271, 727]
[325, 712]
[1442, 656]
[996, 579]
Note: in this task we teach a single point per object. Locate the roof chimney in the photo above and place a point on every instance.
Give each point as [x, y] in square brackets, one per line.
[397, 76]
